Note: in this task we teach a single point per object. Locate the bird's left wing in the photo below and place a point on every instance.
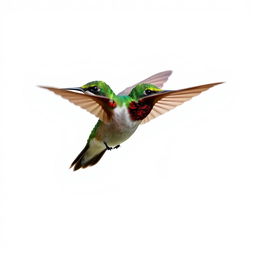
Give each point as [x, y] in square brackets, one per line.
[166, 101]
[158, 80]
[96, 105]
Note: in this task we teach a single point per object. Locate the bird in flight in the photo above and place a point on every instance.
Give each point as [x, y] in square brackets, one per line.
[120, 115]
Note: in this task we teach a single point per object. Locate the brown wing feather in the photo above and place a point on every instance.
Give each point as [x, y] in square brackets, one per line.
[158, 79]
[168, 100]
[96, 105]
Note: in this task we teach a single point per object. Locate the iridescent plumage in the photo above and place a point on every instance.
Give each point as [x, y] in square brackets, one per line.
[120, 115]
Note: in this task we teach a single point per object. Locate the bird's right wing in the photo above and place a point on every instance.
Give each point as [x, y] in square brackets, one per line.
[168, 100]
[96, 105]
[158, 80]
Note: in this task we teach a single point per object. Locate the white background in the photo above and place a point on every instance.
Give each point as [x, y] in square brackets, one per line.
[184, 184]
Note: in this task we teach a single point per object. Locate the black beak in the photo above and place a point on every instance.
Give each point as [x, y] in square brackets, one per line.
[75, 89]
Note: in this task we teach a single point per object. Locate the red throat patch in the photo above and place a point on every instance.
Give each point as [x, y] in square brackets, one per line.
[139, 110]
[112, 104]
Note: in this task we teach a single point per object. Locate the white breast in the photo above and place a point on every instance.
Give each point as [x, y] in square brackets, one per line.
[121, 127]
[122, 118]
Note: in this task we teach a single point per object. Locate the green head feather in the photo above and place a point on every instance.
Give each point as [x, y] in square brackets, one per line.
[102, 89]
[142, 90]
[99, 88]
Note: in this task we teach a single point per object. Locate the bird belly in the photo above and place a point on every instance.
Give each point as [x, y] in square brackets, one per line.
[120, 128]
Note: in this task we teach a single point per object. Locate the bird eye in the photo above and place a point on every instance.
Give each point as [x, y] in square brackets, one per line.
[148, 92]
[94, 89]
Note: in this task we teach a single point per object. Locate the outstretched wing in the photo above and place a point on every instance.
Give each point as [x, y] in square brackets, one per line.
[96, 105]
[166, 101]
[158, 79]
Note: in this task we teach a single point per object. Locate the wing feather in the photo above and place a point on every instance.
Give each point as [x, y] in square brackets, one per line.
[158, 80]
[167, 101]
[96, 105]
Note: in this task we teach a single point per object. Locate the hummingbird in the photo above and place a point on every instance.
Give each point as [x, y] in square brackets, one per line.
[121, 114]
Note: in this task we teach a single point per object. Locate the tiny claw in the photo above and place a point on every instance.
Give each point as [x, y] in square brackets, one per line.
[110, 148]
[107, 147]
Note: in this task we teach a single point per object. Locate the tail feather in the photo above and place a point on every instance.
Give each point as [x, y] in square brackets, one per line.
[78, 158]
[83, 160]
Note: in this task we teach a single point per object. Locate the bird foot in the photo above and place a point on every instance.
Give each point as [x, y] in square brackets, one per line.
[110, 148]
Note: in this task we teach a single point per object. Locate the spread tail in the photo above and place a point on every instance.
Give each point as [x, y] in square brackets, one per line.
[89, 156]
